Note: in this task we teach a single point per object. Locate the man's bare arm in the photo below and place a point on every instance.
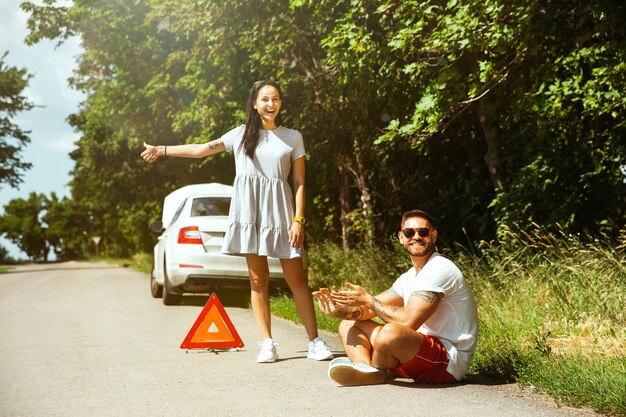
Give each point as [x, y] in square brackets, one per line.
[420, 307]
[389, 306]
[384, 311]
[354, 313]
[386, 305]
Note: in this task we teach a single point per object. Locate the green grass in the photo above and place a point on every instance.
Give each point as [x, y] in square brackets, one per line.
[283, 306]
[596, 381]
[141, 262]
[551, 308]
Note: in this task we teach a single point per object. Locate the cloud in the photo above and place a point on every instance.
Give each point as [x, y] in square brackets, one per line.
[63, 144]
[13, 22]
[32, 96]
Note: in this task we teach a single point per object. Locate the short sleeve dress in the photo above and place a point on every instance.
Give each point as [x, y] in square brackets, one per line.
[261, 209]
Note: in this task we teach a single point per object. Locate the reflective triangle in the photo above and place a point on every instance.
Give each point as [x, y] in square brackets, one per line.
[212, 328]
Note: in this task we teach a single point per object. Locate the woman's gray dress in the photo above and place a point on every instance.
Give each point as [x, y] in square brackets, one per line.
[261, 209]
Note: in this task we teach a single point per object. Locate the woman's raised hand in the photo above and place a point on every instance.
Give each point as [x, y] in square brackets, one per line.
[150, 154]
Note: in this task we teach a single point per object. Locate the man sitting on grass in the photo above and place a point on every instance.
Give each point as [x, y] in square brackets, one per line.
[430, 316]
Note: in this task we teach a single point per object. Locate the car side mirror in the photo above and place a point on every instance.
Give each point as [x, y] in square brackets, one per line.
[156, 227]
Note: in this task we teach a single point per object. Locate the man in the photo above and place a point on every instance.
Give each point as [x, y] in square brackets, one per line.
[429, 314]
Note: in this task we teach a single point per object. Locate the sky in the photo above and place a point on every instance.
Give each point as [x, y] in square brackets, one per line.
[52, 138]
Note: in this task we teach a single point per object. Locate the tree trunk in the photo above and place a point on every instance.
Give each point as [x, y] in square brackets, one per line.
[492, 157]
[367, 202]
[355, 169]
[345, 205]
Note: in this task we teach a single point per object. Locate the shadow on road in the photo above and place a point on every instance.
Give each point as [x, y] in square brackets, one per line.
[470, 379]
[228, 298]
[51, 266]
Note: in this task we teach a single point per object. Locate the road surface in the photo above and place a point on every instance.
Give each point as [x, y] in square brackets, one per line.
[88, 340]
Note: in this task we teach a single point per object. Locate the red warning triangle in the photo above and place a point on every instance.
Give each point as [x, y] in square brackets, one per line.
[212, 329]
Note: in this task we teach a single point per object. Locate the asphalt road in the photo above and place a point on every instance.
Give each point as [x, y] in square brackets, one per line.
[88, 340]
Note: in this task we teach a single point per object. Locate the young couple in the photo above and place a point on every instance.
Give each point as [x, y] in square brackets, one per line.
[264, 221]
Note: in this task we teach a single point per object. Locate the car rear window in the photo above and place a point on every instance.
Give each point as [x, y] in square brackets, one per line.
[210, 206]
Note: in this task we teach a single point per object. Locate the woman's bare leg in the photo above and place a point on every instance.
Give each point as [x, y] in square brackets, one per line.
[258, 270]
[293, 271]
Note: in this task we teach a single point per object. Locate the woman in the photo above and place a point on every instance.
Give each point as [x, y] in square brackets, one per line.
[262, 221]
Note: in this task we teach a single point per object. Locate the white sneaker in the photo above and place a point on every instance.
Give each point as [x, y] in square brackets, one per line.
[268, 351]
[347, 373]
[340, 360]
[318, 350]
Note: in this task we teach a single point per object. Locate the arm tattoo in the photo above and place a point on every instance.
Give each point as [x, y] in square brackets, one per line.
[428, 296]
[381, 310]
[212, 145]
[350, 313]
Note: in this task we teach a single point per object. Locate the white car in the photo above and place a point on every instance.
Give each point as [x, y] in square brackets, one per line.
[187, 257]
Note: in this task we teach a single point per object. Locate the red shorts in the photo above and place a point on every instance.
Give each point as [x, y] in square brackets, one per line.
[429, 365]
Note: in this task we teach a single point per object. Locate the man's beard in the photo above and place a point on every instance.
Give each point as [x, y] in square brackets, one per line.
[421, 249]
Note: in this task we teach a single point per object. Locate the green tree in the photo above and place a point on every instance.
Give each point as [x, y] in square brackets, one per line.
[68, 232]
[131, 74]
[486, 113]
[13, 81]
[22, 224]
[225, 57]
[541, 103]
[4, 256]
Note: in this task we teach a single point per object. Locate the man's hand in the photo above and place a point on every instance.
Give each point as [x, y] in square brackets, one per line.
[326, 302]
[329, 306]
[355, 298]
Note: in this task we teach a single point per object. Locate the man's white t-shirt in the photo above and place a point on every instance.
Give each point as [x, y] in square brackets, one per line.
[455, 321]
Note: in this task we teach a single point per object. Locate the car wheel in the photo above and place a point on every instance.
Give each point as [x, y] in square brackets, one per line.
[170, 296]
[156, 289]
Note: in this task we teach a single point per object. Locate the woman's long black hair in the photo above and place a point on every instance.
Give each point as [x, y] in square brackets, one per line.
[253, 120]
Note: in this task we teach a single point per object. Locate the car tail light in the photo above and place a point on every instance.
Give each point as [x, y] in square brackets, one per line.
[189, 234]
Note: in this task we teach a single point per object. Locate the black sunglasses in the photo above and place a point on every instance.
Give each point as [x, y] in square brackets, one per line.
[409, 232]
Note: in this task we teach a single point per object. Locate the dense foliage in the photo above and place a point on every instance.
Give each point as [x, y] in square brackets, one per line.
[22, 224]
[487, 113]
[13, 82]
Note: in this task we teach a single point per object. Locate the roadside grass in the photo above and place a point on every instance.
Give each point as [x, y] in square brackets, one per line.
[551, 308]
[141, 262]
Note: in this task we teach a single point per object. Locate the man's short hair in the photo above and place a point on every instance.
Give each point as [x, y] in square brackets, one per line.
[418, 213]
